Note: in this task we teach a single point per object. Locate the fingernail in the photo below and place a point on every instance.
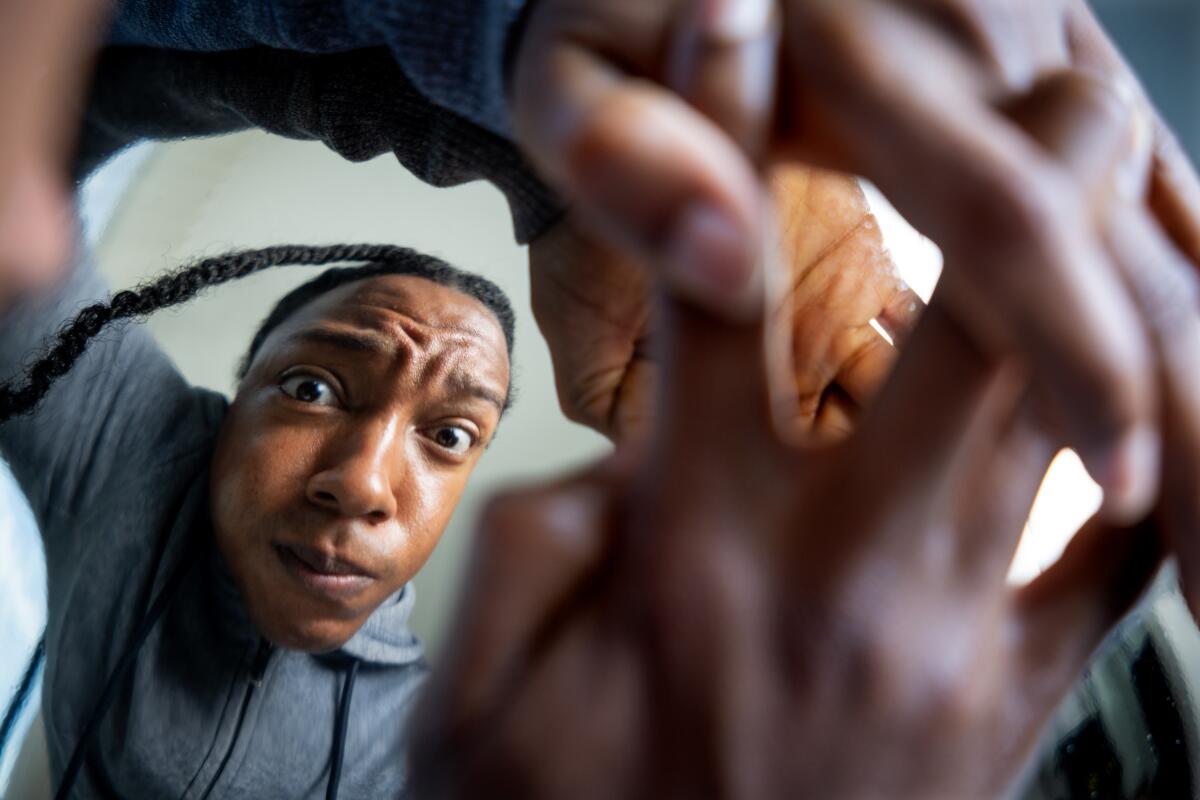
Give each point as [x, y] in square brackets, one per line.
[738, 20]
[709, 258]
[1129, 475]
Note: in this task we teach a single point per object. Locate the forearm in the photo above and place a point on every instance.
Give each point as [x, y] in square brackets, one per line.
[359, 103]
[452, 51]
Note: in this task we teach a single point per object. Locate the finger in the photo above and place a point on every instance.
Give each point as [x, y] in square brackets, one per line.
[533, 552]
[1162, 275]
[1165, 283]
[1064, 614]
[715, 413]
[592, 307]
[842, 278]
[1026, 270]
[996, 498]
[1175, 192]
[900, 314]
[863, 374]
[650, 173]
[836, 418]
[1019, 40]
[922, 432]
[724, 62]
[1083, 122]
[1173, 186]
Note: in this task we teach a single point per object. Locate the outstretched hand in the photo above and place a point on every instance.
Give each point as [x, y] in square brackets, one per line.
[718, 611]
[594, 307]
[655, 117]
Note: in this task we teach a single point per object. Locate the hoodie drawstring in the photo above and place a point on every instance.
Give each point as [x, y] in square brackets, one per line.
[339, 732]
[157, 609]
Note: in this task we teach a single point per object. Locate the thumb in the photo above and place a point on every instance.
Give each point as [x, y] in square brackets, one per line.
[647, 171]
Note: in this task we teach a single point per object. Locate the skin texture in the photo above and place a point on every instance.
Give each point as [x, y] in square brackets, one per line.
[353, 453]
[721, 612]
[660, 118]
[594, 308]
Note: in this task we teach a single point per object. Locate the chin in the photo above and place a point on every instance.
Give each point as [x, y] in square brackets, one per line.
[308, 635]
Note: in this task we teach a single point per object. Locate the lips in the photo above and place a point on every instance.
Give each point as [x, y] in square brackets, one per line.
[322, 573]
[325, 563]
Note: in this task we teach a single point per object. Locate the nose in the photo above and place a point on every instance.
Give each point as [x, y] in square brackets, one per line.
[360, 472]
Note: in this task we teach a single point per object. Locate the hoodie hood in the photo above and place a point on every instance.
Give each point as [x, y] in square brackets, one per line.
[386, 638]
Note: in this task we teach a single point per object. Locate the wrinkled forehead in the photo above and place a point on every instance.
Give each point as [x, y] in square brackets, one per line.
[433, 318]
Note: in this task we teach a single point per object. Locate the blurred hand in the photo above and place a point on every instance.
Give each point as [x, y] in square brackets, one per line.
[654, 116]
[45, 48]
[716, 613]
[594, 308]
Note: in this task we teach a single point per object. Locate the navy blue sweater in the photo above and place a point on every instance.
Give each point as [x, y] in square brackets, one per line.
[424, 80]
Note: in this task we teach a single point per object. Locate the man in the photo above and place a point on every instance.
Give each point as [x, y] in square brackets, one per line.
[227, 601]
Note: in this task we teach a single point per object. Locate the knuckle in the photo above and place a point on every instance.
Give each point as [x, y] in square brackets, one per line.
[1118, 398]
[1027, 206]
[1018, 216]
[589, 399]
[1169, 298]
[950, 698]
[836, 29]
[561, 522]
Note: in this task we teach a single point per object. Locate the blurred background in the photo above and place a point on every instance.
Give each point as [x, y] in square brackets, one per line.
[159, 205]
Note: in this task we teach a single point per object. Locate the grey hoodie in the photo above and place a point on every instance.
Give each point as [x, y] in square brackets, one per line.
[115, 464]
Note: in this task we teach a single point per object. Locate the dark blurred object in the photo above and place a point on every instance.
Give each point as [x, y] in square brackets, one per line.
[1131, 728]
[1161, 39]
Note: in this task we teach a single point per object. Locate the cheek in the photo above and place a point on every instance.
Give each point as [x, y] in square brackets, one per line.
[261, 473]
[426, 512]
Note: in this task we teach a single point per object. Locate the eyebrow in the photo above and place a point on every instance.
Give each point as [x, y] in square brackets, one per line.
[366, 341]
[464, 384]
[360, 341]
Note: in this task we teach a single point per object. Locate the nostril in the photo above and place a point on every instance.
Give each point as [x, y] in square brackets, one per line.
[326, 498]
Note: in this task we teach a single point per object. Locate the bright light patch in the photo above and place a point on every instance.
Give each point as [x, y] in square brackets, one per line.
[879, 329]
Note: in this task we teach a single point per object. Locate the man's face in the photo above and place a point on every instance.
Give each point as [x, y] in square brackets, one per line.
[347, 448]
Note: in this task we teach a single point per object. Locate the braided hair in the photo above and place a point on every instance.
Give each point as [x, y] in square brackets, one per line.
[22, 395]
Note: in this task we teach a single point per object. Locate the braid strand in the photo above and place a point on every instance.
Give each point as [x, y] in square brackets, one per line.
[22, 395]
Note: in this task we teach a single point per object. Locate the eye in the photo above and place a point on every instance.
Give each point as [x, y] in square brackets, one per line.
[308, 389]
[453, 438]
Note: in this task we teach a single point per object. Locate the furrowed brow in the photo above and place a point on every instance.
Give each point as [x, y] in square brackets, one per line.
[360, 341]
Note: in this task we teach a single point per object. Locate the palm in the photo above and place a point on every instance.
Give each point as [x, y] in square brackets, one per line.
[595, 310]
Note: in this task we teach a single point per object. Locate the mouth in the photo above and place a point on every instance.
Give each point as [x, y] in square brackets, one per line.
[323, 574]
